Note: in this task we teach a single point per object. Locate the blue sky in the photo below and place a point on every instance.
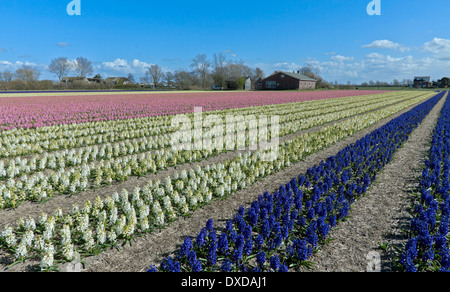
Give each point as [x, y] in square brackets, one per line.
[409, 37]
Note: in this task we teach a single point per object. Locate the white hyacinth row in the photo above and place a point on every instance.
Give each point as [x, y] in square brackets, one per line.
[82, 174]
[22, 142]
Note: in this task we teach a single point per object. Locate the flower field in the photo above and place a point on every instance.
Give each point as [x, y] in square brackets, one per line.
[68, 146]
[39, 111]
[427, 247]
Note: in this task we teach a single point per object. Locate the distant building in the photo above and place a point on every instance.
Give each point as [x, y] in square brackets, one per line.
[75, 80]
[288, 80]
[80, 80]
[248, 84]
[258, 83]
[422, 82]
[117, 81]
[94, 80]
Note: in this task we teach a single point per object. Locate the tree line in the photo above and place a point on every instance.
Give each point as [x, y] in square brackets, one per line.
[203, 73]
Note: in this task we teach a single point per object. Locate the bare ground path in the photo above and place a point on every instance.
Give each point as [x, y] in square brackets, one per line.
[152, 248]
[380, 216]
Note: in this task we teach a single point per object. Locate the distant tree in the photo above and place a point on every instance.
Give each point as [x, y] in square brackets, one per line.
[155, 74]
[219, 74]
[27, 73]
[201, 66]
[7, 75]
[309, 70]
[396, 83]
[182, 79]
[258, 73]
[83, 67]
[444, 82]
[131, 78]
[169, 79]
[98, 76]
[60, 67]
[239, 69]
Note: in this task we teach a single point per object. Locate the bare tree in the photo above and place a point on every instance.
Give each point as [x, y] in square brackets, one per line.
[201, 66]
[169, 79]
[238, 69]
[155, 74]
[131, 78]
[258, 73]
[27, 73]
[60, 67]
[219, 74]
[83, 67]
[310, 70]
[182, 79]
[7, 76]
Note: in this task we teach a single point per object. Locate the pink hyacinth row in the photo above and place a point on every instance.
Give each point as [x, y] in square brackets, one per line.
[39, 111]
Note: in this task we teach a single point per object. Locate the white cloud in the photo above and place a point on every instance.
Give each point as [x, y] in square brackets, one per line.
[13, 66]
[285, 66]
[342, 58]
[140, 66]
[63, 44]
[386, 44]
[375, 56]
[376, 66]
[230, 52]
[117, 65]
[124, 67]
[437, 46]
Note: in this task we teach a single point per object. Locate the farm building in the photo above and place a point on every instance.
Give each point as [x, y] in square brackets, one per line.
[80, 80]
[287, 80]
[422, 82]
[117, 80]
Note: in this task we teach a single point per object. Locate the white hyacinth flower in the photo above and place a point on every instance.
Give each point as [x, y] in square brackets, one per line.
[47, 260]
[101, 234]
[28, 238]
[68, 251]
[21, 250]
[66, 234]
[144, 225]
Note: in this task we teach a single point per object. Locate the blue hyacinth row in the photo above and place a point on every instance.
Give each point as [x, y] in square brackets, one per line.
[281, 230]
[427, 248]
